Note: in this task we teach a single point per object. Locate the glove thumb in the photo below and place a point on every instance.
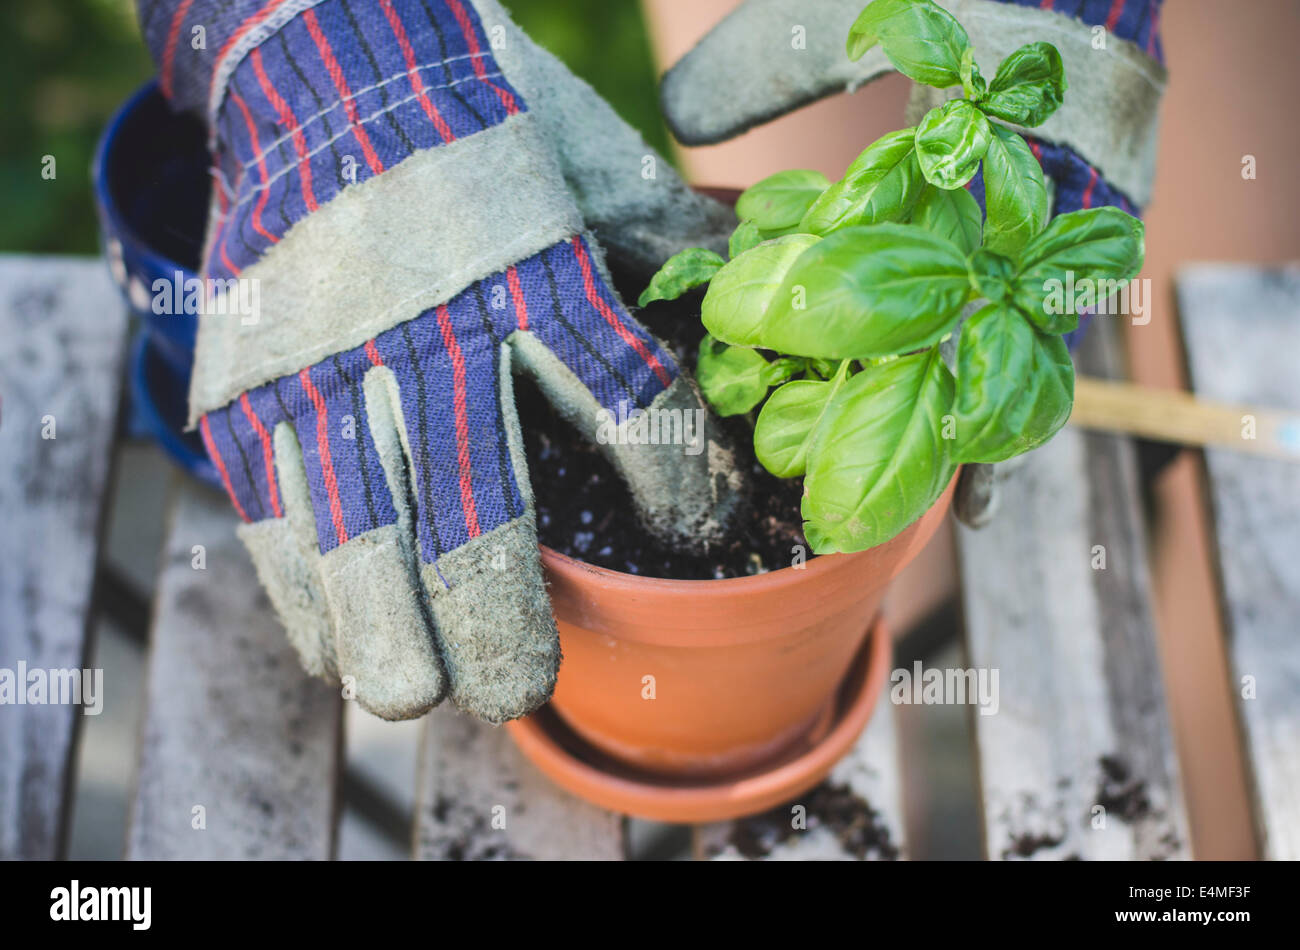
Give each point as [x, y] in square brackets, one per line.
[767, 58]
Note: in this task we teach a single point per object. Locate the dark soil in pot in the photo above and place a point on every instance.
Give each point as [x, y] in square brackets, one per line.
[583, 507]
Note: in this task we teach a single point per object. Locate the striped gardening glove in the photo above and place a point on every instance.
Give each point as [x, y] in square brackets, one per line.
[1098, 148]
[409, 191]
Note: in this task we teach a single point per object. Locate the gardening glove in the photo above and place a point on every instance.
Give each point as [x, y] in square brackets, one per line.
[405, 195]
[770, 57]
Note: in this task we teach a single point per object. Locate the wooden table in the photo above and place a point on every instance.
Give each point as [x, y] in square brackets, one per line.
[1077, 763]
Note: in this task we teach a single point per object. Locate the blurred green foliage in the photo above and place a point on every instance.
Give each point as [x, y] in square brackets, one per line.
[604, 42]
[66, 65]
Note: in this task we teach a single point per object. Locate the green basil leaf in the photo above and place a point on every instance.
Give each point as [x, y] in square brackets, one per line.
[877, 460]
[869, 291]
[681, 272]
[950, 141]
[743, 238]
[732, 378]
[882, 184]
[739, 294]
[972, 83]
[782, 232]
[778, 371]
[1028, 87]
[780, 201]
[1015, 194]
[1089, 254]
[954, 215]
[1015, 386]
[994, 276]
[820, 367]
[922, 40]
[786, 425]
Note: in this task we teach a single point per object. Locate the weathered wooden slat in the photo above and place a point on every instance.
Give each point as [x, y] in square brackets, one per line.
[855, 814]
[1078, 760]
[233, 726]
[480, 799]
[1241, 327]
[62, 340]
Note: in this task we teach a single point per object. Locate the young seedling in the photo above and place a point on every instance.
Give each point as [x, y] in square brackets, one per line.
[839, 294]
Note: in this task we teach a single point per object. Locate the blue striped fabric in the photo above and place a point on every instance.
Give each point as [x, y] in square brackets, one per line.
[1137, 21]
[343, 92]
[187, 36]
[446, 362]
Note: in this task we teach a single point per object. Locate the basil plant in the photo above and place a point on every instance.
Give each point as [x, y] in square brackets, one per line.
[831, 309]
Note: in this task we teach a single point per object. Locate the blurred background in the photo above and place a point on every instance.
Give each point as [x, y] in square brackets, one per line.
[67, 64]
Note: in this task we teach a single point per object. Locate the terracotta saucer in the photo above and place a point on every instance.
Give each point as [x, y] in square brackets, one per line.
[577, 767]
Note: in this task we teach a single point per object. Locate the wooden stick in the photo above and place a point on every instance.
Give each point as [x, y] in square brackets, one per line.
[1171, 415]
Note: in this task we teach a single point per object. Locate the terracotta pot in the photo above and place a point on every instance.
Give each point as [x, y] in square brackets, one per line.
[739, 670]
[574, 765]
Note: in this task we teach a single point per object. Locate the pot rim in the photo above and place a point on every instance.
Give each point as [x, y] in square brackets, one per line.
[769, 580]
[106, 157]
[576, 570]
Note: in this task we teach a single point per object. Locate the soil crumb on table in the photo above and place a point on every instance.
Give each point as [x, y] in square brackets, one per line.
[859, 830]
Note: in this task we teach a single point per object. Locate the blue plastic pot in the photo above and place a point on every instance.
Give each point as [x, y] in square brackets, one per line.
[151, 191]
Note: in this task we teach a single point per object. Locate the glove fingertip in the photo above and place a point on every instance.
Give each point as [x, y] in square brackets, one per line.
[975, 501]
[495, 629]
